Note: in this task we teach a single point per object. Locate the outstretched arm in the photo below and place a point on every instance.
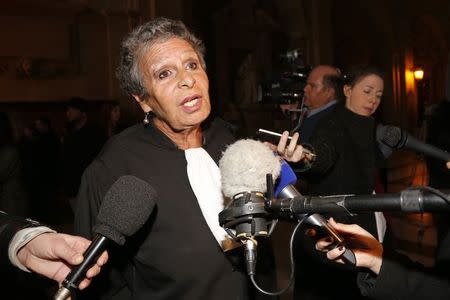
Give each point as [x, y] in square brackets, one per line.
[53, 254]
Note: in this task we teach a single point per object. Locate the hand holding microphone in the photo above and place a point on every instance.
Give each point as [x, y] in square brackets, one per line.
[368, 250]
[287, 190]
[52, 255]
[125, 208]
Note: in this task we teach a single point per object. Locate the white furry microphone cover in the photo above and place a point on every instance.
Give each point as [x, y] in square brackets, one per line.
[244, 165]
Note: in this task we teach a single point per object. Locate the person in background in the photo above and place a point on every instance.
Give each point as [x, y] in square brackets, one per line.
[81, 144]
[180, 253]
[30, 246]
[345, 163]
[322, 91]
[113, 122]
[13, 193]
[42, 171]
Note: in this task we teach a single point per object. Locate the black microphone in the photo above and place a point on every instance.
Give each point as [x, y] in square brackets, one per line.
[286, 189]
[125, 208]
[397, 138]
[409, 201]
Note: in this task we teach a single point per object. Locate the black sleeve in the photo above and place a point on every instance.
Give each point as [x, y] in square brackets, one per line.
[95, 182]
[401, 278]
[9, 226]
[324, 145]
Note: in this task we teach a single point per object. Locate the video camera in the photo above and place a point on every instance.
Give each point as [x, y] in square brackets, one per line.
[287, 85]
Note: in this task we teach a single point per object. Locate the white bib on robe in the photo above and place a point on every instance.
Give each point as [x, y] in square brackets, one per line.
[204, 177]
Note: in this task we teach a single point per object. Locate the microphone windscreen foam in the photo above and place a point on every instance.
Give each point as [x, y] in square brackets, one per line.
[125, 208]
[244, 165]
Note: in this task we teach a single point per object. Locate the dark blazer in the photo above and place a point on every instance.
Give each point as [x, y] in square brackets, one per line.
[9, 225]
[310, 123]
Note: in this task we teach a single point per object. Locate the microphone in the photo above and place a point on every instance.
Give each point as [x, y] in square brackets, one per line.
[412, 200]
[125, 208]
[243, 168]
[286, 189]
[397, 138]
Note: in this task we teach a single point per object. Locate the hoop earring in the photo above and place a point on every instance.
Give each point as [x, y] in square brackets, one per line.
[146, 120]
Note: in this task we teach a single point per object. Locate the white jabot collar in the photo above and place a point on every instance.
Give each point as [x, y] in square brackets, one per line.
[204, 177]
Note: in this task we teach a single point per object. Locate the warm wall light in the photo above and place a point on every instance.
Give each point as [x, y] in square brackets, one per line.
[418, 73]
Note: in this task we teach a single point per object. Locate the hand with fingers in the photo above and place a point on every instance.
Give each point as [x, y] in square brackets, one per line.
[367, 249]
[292, 151]
[52, 254]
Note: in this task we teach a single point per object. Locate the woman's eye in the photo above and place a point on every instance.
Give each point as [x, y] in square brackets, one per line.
[163, 74]
[192, 65]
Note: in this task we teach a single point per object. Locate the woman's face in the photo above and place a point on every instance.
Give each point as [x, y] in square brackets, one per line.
[365, 95]
[177, 86]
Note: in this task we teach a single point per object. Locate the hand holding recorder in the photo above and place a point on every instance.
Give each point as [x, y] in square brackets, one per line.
[292, 151]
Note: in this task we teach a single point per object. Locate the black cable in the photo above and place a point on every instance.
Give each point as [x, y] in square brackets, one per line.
[291, 257]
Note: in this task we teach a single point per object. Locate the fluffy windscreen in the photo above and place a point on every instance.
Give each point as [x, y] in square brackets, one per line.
[244, 165]
[125, 208]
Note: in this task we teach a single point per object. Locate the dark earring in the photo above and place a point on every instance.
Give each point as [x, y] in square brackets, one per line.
[146, 120]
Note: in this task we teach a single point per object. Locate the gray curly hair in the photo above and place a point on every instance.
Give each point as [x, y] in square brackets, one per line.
[137, 43]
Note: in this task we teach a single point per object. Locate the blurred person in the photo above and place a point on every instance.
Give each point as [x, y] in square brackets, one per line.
[81, 144]
[42, 170]
[13, 194]
[113, 122]
[179, 253]
[384, 275]
[322, 91]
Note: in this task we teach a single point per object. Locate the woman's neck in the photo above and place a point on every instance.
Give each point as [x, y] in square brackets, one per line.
[184, 139]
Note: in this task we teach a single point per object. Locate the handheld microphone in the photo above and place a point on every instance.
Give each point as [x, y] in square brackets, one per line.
[125, 208]
[286, 189]
[397, 138]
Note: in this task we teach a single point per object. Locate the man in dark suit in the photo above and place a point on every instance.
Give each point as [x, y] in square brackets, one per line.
[322, 91]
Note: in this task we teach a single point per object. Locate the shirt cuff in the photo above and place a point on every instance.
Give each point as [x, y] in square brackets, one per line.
[20, 239]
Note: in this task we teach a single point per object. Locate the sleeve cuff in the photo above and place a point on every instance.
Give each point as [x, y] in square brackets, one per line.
[20, 239]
